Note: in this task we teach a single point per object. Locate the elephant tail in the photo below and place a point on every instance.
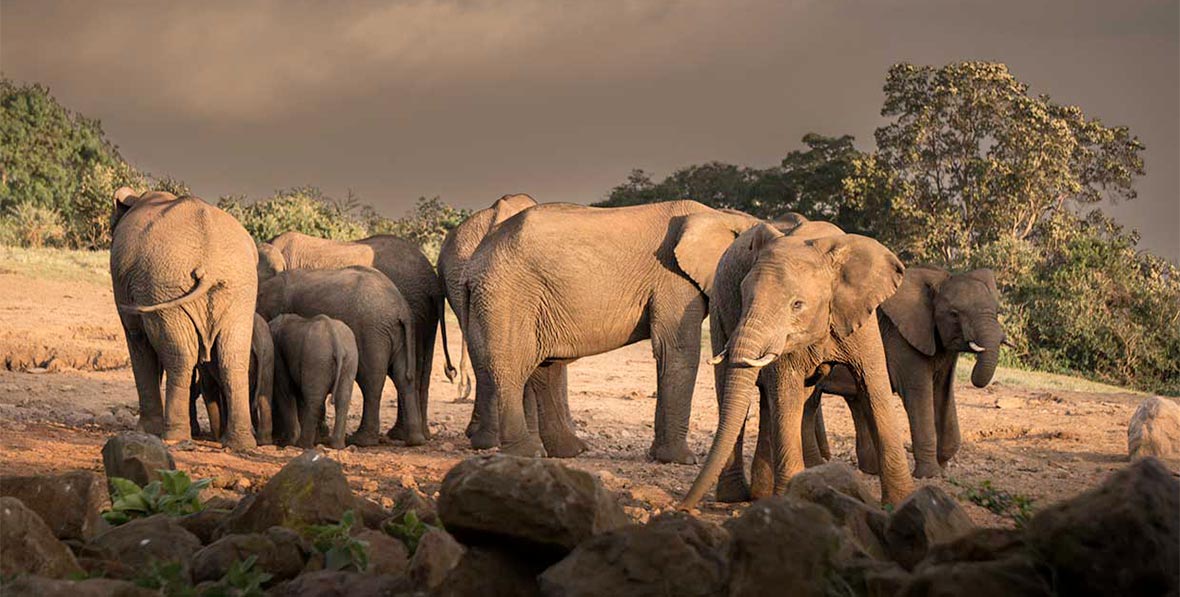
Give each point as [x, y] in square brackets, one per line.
[202, 288]
[442, 322]
[408, 335]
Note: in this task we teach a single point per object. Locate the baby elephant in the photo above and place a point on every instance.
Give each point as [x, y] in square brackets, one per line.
[313, 358]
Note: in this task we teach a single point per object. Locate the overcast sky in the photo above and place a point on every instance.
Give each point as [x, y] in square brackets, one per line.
[472, 100]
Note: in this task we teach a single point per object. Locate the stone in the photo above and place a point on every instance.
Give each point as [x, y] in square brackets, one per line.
[311, 489]
[438, 553]
[371, 513]
[674, 554]
[27, 544]
[1010, 577]
[40, 586]
[386, 554]
[493, 572]
[1155, 431]
[1121, 538]
[813, 483]
[204, 524]
[530, 503]
[136, 456]
[926, 517]
[158, 538]
[780, 543]
[411, 499]
[281, 552]
[70, 503]
[332, 583]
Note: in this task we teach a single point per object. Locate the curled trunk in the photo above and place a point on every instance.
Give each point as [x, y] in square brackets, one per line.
[988, 335]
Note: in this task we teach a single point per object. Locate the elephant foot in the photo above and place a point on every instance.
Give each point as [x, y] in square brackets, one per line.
[411, 438]
[179, 435]
[927, 470]
[530, 447]
[265, 439]
[811, 459]
[868, 466]
[365, 438]
[152, 425]
[472, 428]
[239, 441]
[677, 453]
[484, 439]
[732, 490]
[565, 447]
[337, 444]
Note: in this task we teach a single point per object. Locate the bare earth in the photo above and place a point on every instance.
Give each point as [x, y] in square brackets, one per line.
[1047, 437]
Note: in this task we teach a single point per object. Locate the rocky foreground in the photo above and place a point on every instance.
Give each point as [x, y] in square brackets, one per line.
[511, 526]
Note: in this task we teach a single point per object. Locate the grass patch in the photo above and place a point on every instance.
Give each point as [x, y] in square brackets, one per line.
[88, 267]
[1039, 380]
[1014, 506]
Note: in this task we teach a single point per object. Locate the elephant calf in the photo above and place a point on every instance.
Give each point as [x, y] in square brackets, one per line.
[207, 385]
[313, 358]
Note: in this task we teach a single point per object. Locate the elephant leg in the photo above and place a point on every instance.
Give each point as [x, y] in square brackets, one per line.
[424, 353]
[788, 401]
[732, 486]
[194, 394]
[485, 417]
[676, 345]
[232, 359]
[211, 390]
[918, 398]
[550, 385]
[815, 437]
[311, 413]
[946, 414]
[509, 397]
[896, 481]
[145, 365]
[407, 394]
[866, 448]
[763, 465]
[370, 376]
[178, 367]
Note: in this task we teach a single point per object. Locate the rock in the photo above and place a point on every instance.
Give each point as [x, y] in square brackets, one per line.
[812, 483]
[332, 583]
[980, 545]
[438, 553]
[926, 517]
[386, 554]
[71, 503]
[204, 524]
[136, 456]
[311, 489]
[280, 552]
[1155, 431]
[873, 578]
[412, 499]
[28, 544]
[1122, 538]
[371, 513]
[104, 568]
[157, 538]
[491, 572]
[674, 554]
[835, 487]
[1011, 577]
[531, 503]
[780, 543]
[91, 587]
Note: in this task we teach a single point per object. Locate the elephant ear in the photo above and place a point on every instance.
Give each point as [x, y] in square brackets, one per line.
[270, 261]
[509, 205]
[911, 308]
[124, 199]
[866, 273]
[703, 237]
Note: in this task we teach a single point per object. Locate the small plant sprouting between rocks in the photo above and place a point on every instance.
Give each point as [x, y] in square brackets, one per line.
[174, 494]
[241, 580]
[167, 578]
[1017, 507]
[409, 531]
[340, 549]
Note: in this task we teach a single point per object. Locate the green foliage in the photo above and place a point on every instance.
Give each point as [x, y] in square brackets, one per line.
[167, 578]
[340, 549]
[426, 225]
[174, 494]
[1017, 507]
[301, 209]
[409, 531]
[33, 226]
[241, 580]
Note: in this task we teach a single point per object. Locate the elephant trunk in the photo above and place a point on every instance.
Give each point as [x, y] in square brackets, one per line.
[988, 336]
[738, 391]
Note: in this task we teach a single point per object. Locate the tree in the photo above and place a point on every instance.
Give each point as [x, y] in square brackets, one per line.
[426, 225]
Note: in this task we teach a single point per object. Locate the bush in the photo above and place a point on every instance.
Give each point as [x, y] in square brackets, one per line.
[174, 494]
[33, 226]
[340, 549]
[302, 209]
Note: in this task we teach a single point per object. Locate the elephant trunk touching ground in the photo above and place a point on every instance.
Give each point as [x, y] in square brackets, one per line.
[739, 385]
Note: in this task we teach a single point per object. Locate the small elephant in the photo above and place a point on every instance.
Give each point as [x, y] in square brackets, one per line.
[934, 316]
[405, 265]
[314, 357]
[184, 282]
[380, 319]
[206, 385]
[782, 308]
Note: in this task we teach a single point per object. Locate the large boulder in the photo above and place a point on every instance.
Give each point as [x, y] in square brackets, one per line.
[386, 554]
[136, 456]
[781, 544]
[281, 552]
[27, 545]
[1015, 576]
[530, 503]
[491, 572]
[40, 586]
[311, 489]
[70, 503]
[835, 487]
[815, 483]
[141, 542]
[673, 554]
[332, 583]
[1122, 538]
[205, 523]
[928, 516]
[1155, 431]
[438, 553]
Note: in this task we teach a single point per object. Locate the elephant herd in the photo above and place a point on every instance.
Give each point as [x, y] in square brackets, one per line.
[265, 334]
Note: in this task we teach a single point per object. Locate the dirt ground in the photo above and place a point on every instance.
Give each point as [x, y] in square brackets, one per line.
[66, 387]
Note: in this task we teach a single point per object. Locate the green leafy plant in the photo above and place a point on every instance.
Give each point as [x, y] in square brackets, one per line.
[241, 580]
[166, 577]
[1017, 507]
[174, 494]
[340, 549]
[409, 531]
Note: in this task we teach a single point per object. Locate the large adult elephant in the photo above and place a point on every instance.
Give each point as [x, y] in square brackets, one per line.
[934, 316]
[559, 282]
[783, 308]
[405, 265]
[184, 282]
[379, 317]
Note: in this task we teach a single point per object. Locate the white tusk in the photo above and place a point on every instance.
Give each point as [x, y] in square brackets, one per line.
[976, 347]
[718, 357]
[766, 359]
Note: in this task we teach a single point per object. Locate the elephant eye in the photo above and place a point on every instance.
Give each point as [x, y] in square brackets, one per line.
[797, 305]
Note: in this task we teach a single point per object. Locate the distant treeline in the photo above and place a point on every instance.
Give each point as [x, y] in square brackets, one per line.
[970, 171]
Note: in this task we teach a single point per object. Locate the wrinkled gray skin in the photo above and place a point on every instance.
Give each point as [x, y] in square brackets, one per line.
[206, 385]
[783, 308]
[371, 306]
[184, 282]
[934, 316]
[405, 265]
[314, 357]
[559, 282]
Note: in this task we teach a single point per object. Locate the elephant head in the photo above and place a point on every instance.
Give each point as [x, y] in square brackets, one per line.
[797, 295]
[934, 309]
[270, 262]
